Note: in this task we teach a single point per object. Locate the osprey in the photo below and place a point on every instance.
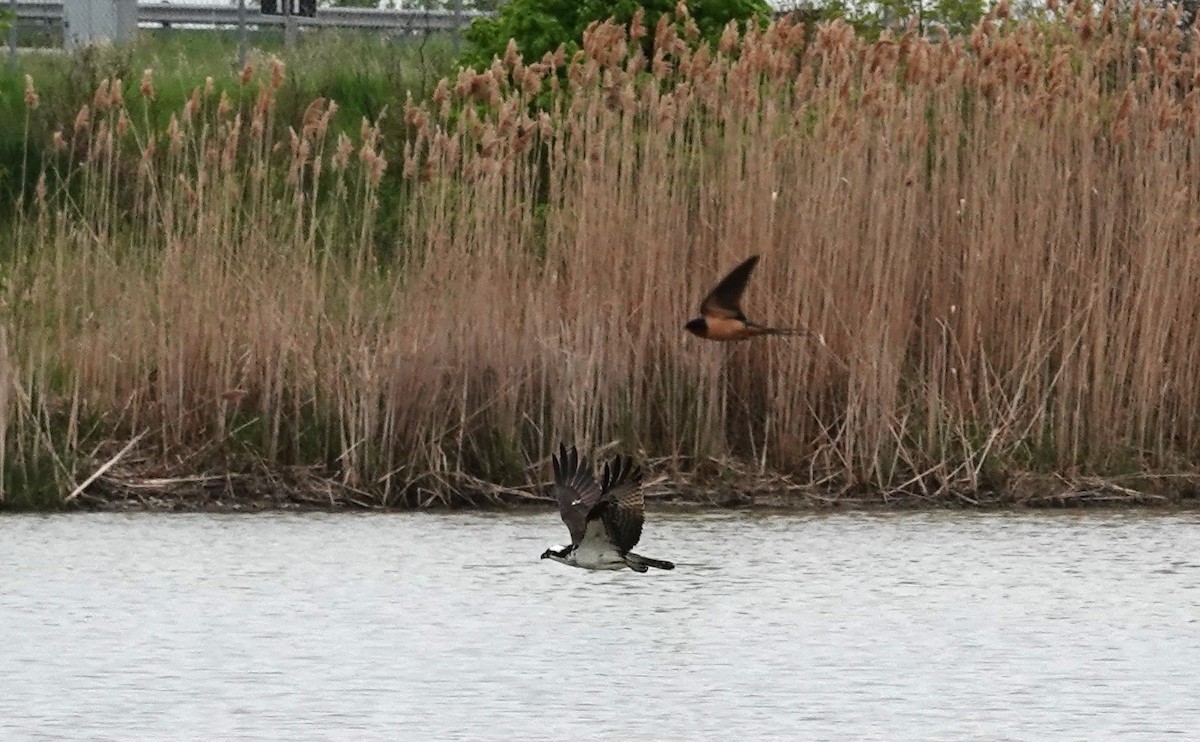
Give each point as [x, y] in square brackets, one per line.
[605, 519]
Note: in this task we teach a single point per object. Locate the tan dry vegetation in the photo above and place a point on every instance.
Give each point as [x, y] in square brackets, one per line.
[995, 237]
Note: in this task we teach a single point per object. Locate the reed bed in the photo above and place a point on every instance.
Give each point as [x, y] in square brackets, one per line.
[993, 240]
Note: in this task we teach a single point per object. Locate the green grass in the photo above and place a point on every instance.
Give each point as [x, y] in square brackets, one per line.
[369, 75]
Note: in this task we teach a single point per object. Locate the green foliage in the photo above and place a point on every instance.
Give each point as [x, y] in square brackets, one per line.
[541, 26]
[365, 73]
[957, 16]
[481, 5]
[872, 19]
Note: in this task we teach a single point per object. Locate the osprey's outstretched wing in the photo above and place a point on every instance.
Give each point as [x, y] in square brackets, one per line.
[621, 506]
[575, 489]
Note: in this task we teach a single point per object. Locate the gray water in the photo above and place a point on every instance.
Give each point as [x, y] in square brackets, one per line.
[426, 626]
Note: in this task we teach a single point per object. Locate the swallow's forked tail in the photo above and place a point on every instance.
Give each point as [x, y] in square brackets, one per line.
[757, 329]
[784, 331]
[640, 563]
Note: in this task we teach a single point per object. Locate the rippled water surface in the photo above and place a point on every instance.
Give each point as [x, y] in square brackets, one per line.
[425, 626]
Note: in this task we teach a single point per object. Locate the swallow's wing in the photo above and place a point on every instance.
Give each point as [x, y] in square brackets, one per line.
[575, 489]
[621, 507]
[724, 301]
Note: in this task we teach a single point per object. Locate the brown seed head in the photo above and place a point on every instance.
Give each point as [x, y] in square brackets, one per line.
[466, 81]
[416, 117]
[116, 93]
[729, 38]
[531, 84]
[441, 94]
[311, 119]
[264, 102]
[81, 118]
[102, 142]
[31, 96]
[229, 152]
[637, 25]
[147, 86]
[377, 167]
[192, 107]
[175, 135]
[277, 72]
[100, 98]
[664, 36]
[330, 111]
[512, 55]
[1087, 29]
[341, 156]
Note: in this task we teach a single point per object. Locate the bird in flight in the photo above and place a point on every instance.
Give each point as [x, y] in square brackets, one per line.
[604, 519]
[721, 316]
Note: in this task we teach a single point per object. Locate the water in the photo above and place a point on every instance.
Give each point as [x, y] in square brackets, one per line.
[426, 626]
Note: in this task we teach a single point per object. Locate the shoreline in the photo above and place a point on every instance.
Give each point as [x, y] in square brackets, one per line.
[256, 487]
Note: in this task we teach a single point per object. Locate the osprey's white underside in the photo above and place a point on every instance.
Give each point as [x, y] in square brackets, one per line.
[594, 551]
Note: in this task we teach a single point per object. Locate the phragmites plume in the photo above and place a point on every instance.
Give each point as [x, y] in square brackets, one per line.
[224, 106]
[375, 163]
[637, 25]
[82, 118]
[313, 121]
[192, 106]
[341, 155]
[230, 149]
[31, 96]
[100, 98]
[147, 86]
[512, 56]
[174, 135]
[605, 43]
[441, 97]
[277, 72]
[729, 38]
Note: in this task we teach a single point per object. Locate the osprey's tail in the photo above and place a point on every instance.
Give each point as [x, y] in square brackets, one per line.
[640, 563]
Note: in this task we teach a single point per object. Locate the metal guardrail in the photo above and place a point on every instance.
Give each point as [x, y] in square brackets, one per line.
[228, 15]
[36, 10]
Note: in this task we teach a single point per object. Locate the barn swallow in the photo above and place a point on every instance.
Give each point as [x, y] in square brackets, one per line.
[721, 316]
